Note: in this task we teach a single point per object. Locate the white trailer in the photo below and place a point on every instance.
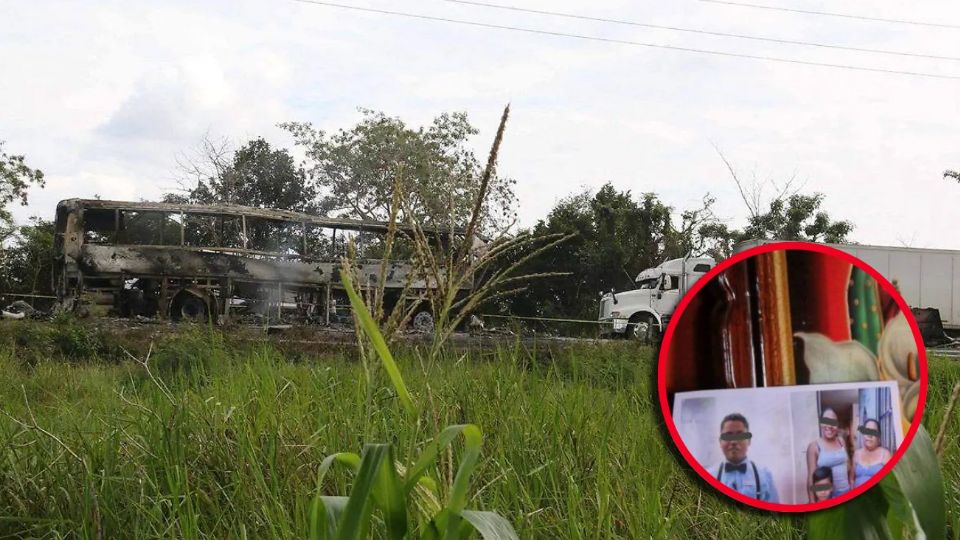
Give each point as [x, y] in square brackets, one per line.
[926, 278]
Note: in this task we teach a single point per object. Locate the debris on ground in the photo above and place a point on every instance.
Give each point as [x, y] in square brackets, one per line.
[19, 310]
[475, 324]
[278, 329]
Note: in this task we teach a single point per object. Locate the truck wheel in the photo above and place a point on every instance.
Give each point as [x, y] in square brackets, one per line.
[642, 328]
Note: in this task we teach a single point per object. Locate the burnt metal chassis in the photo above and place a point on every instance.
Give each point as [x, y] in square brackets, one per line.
[214, 275]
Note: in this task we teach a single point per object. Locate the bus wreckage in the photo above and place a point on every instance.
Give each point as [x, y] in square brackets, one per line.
[217, 262]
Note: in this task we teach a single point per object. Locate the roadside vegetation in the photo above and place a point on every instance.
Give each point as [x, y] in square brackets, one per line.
[108, 429]
[201, 436]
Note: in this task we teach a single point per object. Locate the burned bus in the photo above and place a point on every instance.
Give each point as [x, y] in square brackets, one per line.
[214, 262]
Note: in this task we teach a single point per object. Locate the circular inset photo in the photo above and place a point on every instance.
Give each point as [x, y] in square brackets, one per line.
[792, 377]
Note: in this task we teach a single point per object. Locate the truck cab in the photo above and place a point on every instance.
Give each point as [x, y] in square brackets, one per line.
[643, 313]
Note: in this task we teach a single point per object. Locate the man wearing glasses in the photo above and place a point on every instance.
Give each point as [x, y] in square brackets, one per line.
[737, 472]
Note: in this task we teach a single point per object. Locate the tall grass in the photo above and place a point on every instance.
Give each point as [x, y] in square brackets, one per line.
[572, 445]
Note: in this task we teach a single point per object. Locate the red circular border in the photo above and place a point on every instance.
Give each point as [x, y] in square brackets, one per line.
[662, 378]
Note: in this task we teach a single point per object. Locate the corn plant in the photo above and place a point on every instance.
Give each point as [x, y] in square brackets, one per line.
[408, 299]
[488, 270]
[379, 486]
[383, 486]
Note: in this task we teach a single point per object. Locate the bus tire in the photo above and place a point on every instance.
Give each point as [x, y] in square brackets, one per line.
[423, 321]
[190, 306]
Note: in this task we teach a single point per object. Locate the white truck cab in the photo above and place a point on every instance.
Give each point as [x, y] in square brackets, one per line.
[645, 311]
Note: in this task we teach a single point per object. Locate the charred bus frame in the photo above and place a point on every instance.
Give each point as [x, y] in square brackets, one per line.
[205, 261]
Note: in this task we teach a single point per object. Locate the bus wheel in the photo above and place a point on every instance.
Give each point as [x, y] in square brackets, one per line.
[642, 328]
[423, 321]
[189, 307]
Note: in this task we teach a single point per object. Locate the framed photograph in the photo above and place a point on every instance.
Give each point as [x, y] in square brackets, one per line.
[792, 444]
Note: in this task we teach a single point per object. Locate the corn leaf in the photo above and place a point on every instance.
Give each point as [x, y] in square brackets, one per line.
[862, 518]
[919, 480]
[473, 439]
[379, 344]
[325, 515]
[325, 511]
[438, 523]
[348, 459]
[490, 525]
[356, 516]
[901, 519]
[430, 453]
[453, 525]
[390, 499]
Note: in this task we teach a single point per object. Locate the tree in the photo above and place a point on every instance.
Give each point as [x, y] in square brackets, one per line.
[26, 265]
[617, 237]
[789, 215]
[254, 175]
[15, 180]
[357, 169]
[798, 217]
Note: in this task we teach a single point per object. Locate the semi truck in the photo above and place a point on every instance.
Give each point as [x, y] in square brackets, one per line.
[644, 312]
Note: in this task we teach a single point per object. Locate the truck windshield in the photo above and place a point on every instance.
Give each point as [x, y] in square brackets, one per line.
[647, 283]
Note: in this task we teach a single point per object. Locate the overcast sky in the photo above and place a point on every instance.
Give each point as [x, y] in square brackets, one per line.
[104, 96]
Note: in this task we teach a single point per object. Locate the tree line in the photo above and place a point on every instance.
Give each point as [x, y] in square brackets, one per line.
[354, 172]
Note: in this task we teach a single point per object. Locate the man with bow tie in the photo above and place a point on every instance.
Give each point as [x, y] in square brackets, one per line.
[737, 472]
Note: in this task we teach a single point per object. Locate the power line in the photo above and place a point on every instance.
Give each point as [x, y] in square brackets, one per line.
[706, 32]
[829, 14]
[627, 42]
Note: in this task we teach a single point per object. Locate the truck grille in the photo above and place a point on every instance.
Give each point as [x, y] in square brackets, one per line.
[605, 308]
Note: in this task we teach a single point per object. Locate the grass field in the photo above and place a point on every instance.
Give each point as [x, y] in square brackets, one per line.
[219, 440]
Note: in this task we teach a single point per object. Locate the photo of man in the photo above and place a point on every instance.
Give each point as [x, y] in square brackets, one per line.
[737, 471]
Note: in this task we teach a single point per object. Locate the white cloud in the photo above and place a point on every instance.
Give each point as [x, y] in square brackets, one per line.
[105, 96]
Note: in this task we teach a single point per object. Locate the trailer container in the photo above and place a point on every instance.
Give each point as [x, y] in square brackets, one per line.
[926, 278]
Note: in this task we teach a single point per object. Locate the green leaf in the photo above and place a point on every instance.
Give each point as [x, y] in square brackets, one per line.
[901, 519]
[862, 518]
[430, 453]
[325, 511]
[325, 515]
[438, 523]
[473, 439]
[348, 459]
[449, 520]
[318, 522]
[376, 338]
[389, 497]
[490, 525]
[919, 480]
[356, 515]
